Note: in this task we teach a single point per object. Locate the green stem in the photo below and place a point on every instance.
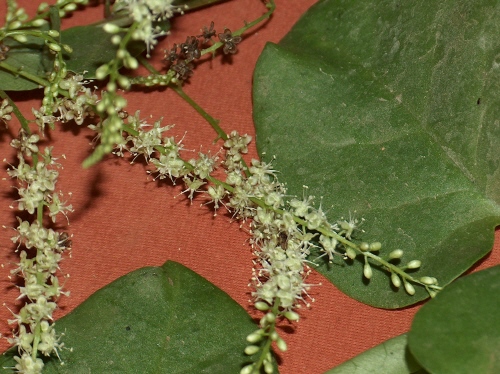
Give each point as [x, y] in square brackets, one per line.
[36, 340]
[211, 121]
[271, 6]
[267, 345]
[25, 74]
[24, 122]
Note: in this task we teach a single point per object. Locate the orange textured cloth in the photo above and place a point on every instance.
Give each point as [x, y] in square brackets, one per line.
[123, 220]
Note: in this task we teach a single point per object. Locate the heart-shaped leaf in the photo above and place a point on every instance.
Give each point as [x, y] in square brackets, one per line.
[154, 320]
[459, 331]
[390, 112]
[390, 357]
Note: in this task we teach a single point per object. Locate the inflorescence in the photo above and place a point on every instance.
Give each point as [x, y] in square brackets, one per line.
[284, 230]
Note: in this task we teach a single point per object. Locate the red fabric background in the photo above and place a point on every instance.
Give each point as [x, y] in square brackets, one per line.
[123, 220]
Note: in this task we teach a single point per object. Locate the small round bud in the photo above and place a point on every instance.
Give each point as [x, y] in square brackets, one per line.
[395, 280]
[274, 336]
[124, 82]
[251, 349]
[70, 7]
[255, 336]
[364, 246]
[268, 367]
[100, 106]
[102, 71]
[130, 62]
[67, 48]
[270, 317]
[39, 22]
[367, 271]
[42, 7]
[247, 369]
[375, 246]
[120, 102]
[410, 290]
[398, 253]
[15, 25]
[53, 33]
[116, 39]
[428, 280]
[111, 86]
[111, 28]
[292, 316]
[414, 264]
[351, 253]
[20, 38]
[262, 306]
[281, 344]
[432, 293]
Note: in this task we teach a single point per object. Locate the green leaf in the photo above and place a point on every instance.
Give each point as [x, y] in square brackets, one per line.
[31, 57]
[88, 55]
[375, 107]
[459, 330]
[390, 357]
[154, 320]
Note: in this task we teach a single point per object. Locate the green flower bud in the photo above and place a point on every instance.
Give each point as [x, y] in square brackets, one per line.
[281, 344]
[364, 246]
[291, 316]
[262, 306]
[247, 369]
[375, 246]
[367, 271]
[396, 281]
[428, 280]
[39, 22]
[120, 102]
[20, 38]
[15, 25]
[270, 317]
[70, 7]
[268, 367]
[42, 7]
[111, 28]
[67, 48]
[130, 62]
[124, 82]
[251, 349]
[111, 86]
[255, 336]
[116, 39]
[410, 290]
[398, 253]
[414, 264]
[102, 71]
[351, 253]
[53, 33]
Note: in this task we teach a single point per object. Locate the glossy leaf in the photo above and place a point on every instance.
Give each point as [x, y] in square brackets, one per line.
[389, 112]
[154, 320]
[390, 357]
[459, 331]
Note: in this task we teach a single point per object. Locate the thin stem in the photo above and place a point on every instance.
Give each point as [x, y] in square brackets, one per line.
[211, 121]
[24, 122]
[271, 6]
[25, 74]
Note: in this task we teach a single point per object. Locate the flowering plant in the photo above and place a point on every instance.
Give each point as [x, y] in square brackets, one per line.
[284, 230]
